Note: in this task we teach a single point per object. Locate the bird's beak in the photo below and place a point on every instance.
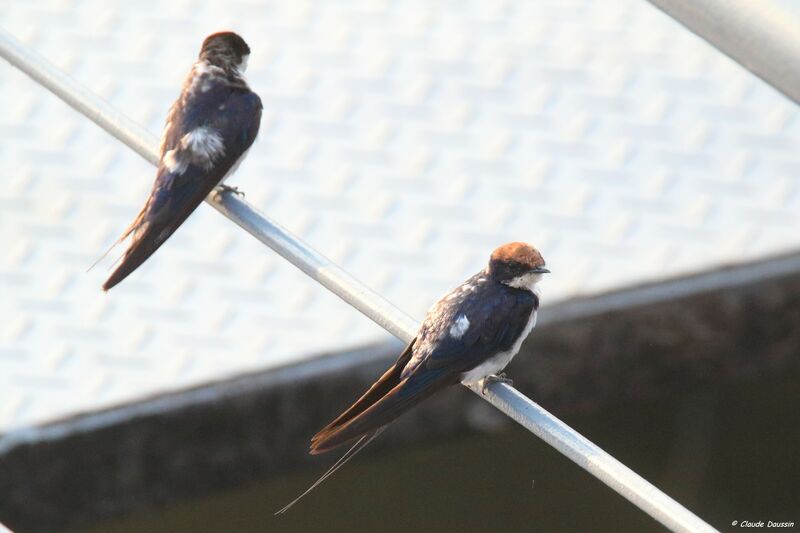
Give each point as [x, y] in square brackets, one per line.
[540, 270]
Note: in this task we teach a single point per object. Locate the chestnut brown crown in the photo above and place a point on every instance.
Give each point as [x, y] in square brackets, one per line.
[515, 259]
[224, 47]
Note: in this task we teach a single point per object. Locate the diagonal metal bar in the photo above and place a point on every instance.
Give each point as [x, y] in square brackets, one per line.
[504, 397]
[759, 35]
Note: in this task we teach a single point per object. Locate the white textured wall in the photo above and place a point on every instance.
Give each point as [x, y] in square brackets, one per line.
[403, 139]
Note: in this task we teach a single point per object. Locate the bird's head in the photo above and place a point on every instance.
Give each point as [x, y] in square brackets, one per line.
[517, 265]
[227, 50]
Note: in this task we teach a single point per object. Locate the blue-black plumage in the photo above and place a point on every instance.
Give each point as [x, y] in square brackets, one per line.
[468, 336]
[470, 333]
[208, 131]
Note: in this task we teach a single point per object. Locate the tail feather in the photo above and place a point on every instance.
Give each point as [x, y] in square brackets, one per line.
[151, 228]
[148, 236]
[406, 394]
[142, 248]
[130, 229]
[387, 399]
[349, 454]
[378, 390]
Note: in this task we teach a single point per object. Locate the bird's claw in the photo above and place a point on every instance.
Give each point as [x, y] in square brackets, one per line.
[221, 189]
[495, 378]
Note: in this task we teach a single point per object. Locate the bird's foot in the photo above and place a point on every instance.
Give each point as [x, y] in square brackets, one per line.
[495, 378]
[222, 189]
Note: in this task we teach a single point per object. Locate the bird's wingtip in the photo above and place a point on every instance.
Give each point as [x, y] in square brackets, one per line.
[314, 448]
[110, 283]
[323, 442]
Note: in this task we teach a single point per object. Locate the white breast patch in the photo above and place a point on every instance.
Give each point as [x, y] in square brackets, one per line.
[495, 364]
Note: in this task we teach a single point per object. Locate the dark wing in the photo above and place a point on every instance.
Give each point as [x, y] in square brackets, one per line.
[496, 322]
[176, 195]
[399, 399]
[379, 389]
[439, 360]
[387, 382]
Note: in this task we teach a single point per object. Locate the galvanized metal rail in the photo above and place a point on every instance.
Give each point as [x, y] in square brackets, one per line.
[759, 35]
[504, 397]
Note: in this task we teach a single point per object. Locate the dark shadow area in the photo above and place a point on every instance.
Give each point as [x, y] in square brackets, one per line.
[728, 454]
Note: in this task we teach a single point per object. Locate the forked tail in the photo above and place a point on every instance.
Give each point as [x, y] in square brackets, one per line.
[357, 447]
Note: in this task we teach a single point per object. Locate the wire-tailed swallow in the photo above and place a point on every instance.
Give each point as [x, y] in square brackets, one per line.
[208, 131]
[468, 336]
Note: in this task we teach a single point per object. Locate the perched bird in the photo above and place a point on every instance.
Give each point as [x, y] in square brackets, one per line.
[468, 336]
[208, 131]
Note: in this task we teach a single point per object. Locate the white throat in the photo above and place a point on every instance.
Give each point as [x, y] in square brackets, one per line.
[526, 281]
[241, 67]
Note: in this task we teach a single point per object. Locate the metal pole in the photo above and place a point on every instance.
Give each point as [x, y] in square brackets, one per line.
[507, 399]
[758, 34]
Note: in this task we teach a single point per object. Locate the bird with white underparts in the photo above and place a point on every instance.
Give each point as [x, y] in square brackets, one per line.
[468, 336]
[208, 131]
